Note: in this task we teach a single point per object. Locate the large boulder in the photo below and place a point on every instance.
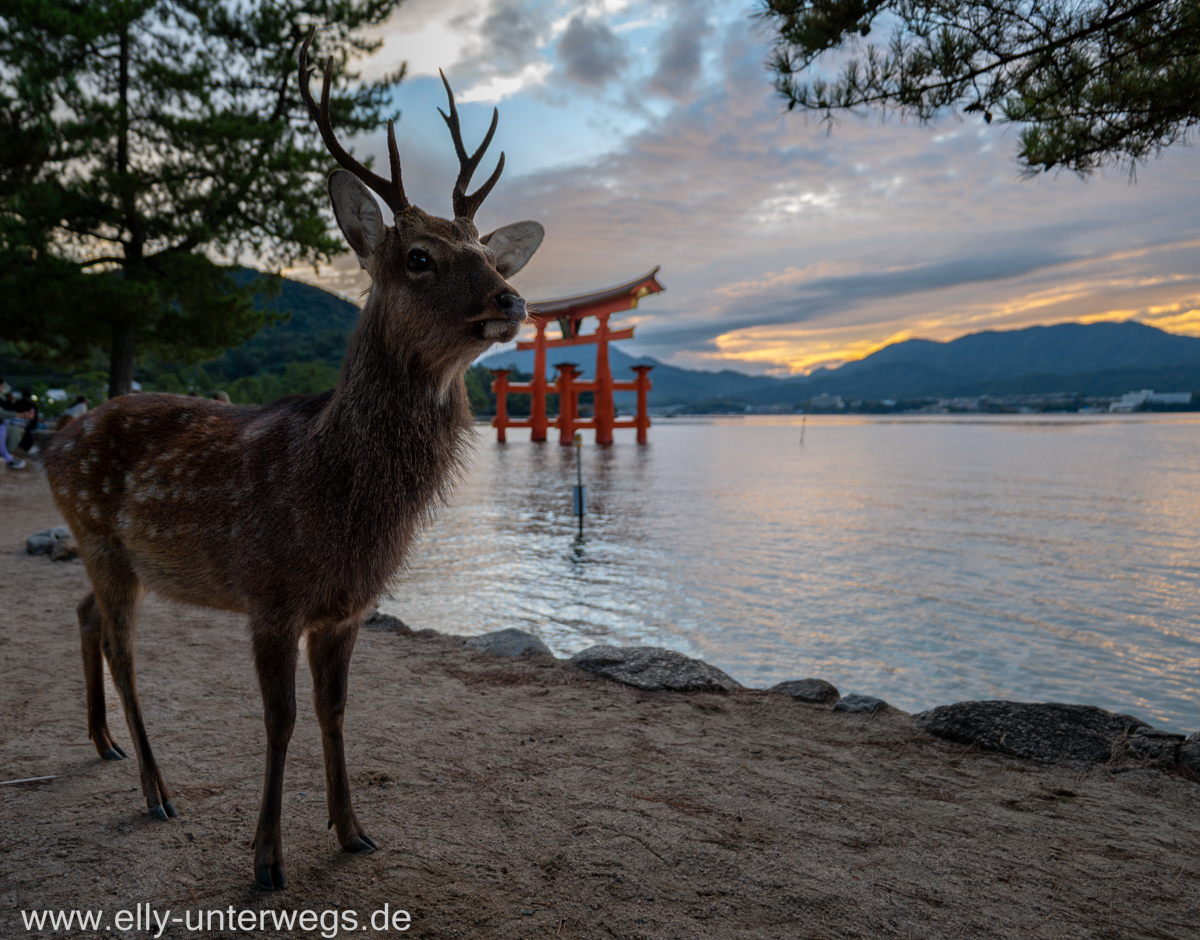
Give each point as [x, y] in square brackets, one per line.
[509, 642]
[1046, 732]
[813, 691]
[654, 669]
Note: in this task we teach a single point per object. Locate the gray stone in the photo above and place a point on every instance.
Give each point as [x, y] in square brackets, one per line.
[859, 704]
[42, 543]
[381, 621]
[816, 691]
[1189, 752]
[509, 642]
[1158, 748]
[1041, 731]
[654, 669]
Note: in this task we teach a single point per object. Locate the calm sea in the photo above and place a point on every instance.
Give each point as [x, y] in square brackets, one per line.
[923, 560]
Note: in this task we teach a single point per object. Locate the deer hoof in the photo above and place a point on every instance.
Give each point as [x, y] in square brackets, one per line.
[158, 812]
[170, 808]
[114, 753]
[361, 845]
[271, 878]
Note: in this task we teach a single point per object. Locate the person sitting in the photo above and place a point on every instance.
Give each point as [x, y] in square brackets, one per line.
[16, 427]
[10, 461]
[77, 410]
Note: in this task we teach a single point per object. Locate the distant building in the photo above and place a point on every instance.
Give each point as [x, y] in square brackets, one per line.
[825, 401]
[1132, 401]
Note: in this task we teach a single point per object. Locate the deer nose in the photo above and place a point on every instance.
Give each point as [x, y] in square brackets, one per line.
[511, 305]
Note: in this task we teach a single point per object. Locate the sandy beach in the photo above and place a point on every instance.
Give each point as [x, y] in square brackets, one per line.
[529, 799]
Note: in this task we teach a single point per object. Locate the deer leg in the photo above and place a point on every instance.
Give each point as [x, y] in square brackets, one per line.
[275, 661]
[329, 659]
[93, 674]
[118, 596]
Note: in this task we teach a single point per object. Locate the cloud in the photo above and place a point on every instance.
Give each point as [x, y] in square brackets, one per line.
[784, 243]
[512, 34]
[589, 52]
[682, 53]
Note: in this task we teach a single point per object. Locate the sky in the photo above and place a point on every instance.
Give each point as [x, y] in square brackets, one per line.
[647, 132]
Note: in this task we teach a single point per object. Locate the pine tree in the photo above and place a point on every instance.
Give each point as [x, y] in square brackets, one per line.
[147, 146]
[1092, 82]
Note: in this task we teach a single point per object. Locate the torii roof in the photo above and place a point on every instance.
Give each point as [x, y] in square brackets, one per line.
[611, 300]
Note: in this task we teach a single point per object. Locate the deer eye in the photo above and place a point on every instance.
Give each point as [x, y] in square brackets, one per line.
[418, 260]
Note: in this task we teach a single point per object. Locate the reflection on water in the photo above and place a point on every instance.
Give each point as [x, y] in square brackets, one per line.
[925, 561]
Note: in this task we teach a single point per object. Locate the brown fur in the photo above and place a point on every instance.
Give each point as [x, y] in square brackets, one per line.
[297, 513]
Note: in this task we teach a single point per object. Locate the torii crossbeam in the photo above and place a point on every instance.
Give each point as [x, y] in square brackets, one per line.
[569, 313]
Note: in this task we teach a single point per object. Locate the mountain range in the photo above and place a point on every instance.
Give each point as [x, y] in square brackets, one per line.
[1097, 359]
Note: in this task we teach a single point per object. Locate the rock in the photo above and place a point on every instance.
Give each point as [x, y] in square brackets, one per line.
[509, 642]
[1158, 748]
[381, 621]
[1189, 753]
[42, 543]
[654, 669]
[816, 691]
[859, 704]
[64, 549]
[1041, 731]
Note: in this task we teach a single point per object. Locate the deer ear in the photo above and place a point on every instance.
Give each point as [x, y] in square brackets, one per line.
[357, 214]
[513, 245]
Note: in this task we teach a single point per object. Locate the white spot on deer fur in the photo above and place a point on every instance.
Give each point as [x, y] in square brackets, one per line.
[69, 445]
[107, 485]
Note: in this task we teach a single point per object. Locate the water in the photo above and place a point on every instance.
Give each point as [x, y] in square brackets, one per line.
[924, 560]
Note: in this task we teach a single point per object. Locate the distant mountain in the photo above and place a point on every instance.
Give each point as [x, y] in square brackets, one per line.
[671, 385]
[1064, 349]
[1089, 359]
[1104, 359]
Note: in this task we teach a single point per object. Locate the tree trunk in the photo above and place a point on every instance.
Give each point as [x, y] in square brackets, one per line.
[120, 367]
[124, 334]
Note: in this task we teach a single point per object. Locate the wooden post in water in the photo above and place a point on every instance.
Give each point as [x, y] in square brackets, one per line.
[580, 494]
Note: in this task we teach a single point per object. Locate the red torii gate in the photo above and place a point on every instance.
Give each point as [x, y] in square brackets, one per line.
[569, 313]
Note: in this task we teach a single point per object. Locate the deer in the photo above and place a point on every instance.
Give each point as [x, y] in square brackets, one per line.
[299, 513]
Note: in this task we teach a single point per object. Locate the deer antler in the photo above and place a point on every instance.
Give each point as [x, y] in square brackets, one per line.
[391, 192]
[464, 205]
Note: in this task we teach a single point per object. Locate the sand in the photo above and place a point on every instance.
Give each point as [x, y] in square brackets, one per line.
[521, 799]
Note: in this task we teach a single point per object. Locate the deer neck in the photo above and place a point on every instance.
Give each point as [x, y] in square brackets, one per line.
[393, 434]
